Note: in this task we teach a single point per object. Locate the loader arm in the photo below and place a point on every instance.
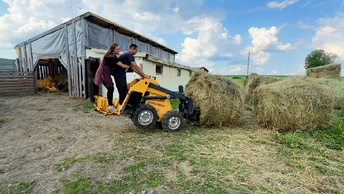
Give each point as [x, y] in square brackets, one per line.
[186, 106]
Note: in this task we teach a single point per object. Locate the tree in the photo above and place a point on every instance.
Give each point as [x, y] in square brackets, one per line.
[319, 58]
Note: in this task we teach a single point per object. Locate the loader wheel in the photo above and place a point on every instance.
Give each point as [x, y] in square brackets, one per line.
[145, 116]
[173, 121]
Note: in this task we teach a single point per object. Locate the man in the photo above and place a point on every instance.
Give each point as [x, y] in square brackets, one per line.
[119, 74]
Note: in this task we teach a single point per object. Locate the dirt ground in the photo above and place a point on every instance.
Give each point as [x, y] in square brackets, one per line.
[38, 131]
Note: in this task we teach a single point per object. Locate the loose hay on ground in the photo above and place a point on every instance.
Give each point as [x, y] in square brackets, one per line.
[293, 103]
[331, 71]
[219, 99]
[251, 83]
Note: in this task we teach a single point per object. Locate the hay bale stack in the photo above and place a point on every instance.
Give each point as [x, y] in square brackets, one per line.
[218, 98]
[331, 71]
[293, 103]
[251, 83]
[338, 88]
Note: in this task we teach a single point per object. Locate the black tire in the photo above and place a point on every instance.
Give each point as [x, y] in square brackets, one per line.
[173, 121]
[145, 116]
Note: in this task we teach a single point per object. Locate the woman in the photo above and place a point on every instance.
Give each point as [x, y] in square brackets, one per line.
[110, 61]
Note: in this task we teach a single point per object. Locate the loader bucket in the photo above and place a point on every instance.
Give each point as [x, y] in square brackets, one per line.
[101, 105]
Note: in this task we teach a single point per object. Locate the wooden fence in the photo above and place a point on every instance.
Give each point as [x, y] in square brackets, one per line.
[17, 83]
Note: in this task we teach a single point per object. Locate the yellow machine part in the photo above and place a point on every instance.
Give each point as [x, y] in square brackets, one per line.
[141, 85]
[101, 105]
[40, 84]
[47, 84]
[138, 85]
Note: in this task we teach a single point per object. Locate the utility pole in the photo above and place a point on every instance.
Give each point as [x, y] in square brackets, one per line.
[248, 62]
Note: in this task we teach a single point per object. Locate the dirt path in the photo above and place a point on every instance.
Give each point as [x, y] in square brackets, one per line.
[38, 131]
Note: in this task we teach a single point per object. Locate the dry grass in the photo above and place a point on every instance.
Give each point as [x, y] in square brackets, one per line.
[219, 99]
[251, 83]
[293, 103]
[331, 71]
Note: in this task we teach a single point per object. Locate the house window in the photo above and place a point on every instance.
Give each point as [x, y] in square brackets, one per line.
[158, 69]
[179, 72]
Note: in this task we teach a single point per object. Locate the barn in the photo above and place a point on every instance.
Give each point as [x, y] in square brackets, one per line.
[75, 47]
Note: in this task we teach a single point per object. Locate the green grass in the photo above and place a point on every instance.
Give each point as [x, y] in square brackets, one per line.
[84, 106]
[314, 148]
[174, 103]
[97, 158]
[239, 79]
[20, 188]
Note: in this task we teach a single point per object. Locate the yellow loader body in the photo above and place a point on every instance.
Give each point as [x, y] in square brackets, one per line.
[147, 103]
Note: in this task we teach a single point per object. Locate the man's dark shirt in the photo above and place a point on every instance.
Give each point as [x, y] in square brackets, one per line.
[126, 58]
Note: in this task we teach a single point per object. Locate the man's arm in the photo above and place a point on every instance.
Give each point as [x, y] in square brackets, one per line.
[138, 70]
[122, 65]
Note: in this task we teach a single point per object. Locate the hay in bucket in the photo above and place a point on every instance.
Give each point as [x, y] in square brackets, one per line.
[251, 83]
[293, 103]
[331, 71]
[218, 98]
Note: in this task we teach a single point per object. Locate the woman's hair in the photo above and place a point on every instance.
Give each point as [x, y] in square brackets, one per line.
[111, 49]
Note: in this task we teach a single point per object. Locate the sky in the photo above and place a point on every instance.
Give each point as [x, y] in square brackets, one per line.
[228, 37]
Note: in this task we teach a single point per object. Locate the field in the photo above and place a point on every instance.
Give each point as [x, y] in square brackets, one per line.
[52, 143]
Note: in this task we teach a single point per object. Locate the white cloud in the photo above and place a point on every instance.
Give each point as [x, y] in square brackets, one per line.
[319, 5]
[329, 33]
[235, 69]
[306, 4]
[34, 24]
[264, 41]
[213, 40]
[300, 71]
[26, 19]
[280, 5]
[258, 70]
[260, 57]
[236, 39]
[304, 25]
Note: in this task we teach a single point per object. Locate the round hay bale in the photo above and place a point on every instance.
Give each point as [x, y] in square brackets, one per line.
[293, 103]
[331, 71]
[249, 78]
[218, 98]
[251, 83]
[338, 88]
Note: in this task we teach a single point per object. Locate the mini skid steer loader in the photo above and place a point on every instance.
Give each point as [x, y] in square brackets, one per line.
[148, 104]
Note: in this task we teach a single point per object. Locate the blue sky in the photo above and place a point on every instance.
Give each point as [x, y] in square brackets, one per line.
[217, 34]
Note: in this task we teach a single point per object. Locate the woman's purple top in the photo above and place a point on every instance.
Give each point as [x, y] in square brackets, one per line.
[110, 62]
